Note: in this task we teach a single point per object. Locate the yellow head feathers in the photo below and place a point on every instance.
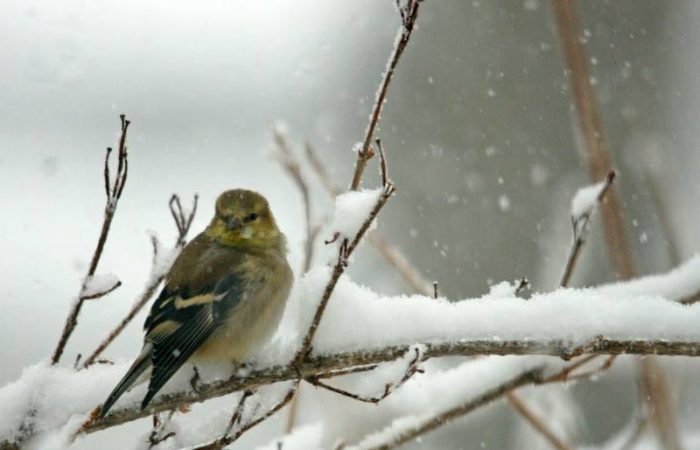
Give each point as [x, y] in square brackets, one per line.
[243, 219]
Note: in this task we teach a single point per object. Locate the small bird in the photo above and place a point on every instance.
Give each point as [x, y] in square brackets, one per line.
[223, 296]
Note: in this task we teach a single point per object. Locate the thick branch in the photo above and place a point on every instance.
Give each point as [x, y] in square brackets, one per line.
[320, 366]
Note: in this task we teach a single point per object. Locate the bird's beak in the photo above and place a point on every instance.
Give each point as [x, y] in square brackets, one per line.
[233, 224]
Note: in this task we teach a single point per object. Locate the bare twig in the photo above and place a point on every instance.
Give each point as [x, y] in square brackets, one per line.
[113, 191]
[432, 422]
[409, 14]
[383, 169]
[412, 368]
[222, 442]
[291, 165]
[158, 434]
[535, 421]
[183, 223]
[523, 284]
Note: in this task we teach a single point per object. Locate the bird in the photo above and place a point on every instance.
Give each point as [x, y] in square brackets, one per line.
[223, 296]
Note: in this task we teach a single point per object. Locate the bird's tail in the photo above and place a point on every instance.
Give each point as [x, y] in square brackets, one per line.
[142, 363]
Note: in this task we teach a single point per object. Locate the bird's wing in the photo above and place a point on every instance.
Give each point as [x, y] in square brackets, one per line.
[181, 321]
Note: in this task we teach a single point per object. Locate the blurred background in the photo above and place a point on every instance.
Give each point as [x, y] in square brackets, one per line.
[477, 129]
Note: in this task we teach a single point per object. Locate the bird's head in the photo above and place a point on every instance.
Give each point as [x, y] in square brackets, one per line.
[243, 218]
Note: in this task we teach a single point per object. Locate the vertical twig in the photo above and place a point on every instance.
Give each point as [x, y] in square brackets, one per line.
[291, 165]
[113, 191]
[409, 14]
[595, 147]
[536, 422]
[580, 228]
[599, 162]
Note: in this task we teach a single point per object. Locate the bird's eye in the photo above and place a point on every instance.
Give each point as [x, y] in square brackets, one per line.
[251, 217]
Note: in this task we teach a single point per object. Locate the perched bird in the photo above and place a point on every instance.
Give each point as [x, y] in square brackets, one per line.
[223, 296]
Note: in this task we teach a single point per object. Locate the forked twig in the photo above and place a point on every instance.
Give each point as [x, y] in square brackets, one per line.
[411, 369]
[113, 191]
[228, 439]
[409, 14]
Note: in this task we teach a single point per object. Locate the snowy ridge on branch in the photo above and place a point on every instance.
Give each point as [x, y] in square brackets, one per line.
[358, 318]
[352, 209]
[361, 319]
[586, 199]
[98, 284]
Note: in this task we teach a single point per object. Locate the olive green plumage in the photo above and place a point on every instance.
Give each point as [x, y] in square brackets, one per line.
[224, 295]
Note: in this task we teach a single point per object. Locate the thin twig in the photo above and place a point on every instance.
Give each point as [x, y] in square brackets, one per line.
[580, 227]
[112, 200]
[409, 14]
[412, 368]
[291, 165]
[433, 422]
[383, 168]
[158, 435]
[222, 442]
[100, 294]
[183, 223]
[393, 256]
[600, 162]
[596, 149]
[535, 421]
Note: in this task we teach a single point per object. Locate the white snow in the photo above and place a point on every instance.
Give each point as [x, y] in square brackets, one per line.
[359, 318]
[98, 284]
[164, 258]
[351, 211]
[424, 396]
[586, 199]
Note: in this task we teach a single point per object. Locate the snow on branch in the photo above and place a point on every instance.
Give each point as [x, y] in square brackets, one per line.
[354, 334]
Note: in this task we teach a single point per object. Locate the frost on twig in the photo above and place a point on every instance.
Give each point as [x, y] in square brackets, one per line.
[113, 192]
[98, 286]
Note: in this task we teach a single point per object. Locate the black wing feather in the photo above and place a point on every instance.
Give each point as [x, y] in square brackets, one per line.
[195, 323]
